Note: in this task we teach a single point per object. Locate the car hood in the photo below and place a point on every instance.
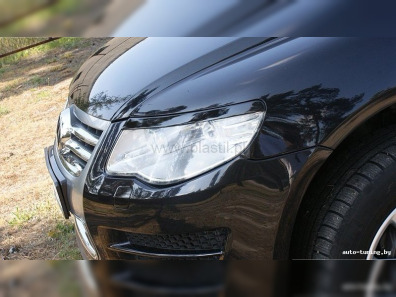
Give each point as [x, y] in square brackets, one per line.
[123, 75]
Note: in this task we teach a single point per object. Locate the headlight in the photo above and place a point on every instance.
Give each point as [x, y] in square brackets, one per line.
[172, 154]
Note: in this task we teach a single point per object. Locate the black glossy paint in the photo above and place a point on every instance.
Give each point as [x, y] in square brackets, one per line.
[310, 85]
[244, 195]
[148, 68]
[314, 90]
[261, 18]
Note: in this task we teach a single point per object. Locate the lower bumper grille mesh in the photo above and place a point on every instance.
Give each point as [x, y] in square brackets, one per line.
[188, 242]
[205, 244]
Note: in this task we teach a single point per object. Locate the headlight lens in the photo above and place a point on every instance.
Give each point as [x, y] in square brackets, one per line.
[172, 154]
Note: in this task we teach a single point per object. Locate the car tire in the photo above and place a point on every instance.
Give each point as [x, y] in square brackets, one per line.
[349, 203]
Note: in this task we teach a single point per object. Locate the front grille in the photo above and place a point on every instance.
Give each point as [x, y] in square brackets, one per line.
[77, 136]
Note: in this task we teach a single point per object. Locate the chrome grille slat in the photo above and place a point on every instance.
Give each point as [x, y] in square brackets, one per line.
[85, 136]
[72, 165]
[90, 121]
[78, 134]
[76, 148]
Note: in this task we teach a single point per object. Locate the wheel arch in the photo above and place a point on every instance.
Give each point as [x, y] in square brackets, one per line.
[380, 112]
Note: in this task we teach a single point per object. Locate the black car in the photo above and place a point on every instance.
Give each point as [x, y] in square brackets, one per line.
[240, 148]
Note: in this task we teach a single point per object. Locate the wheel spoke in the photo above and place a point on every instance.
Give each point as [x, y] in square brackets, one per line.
[374, 257]
[392, 240]
[385, 239]
[393, 221]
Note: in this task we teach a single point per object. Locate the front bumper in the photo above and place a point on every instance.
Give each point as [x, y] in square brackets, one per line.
[237, 208]
[232, 211]
[59, 181]
[84, 239]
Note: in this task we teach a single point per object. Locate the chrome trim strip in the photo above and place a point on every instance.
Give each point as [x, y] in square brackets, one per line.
[89, 120]
[84, 136]
[85, 238]
[123, 247]
[74, 169]
[77, 149]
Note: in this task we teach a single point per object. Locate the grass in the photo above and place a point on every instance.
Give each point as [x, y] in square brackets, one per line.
[3, 111]
[66, 43]
[42, 95]
[37, 81]
[61, 233]
[20, 218]
[51, 60]
[29, 108]
[61, 230]
[68, 55]
[64, 233]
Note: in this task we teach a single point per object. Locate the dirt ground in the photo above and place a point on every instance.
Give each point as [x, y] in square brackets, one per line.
[41, 278]
[33, 91]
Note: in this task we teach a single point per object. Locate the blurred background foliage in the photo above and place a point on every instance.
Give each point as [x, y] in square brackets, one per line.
[52, 17]
[11, 44]
[8, 45]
